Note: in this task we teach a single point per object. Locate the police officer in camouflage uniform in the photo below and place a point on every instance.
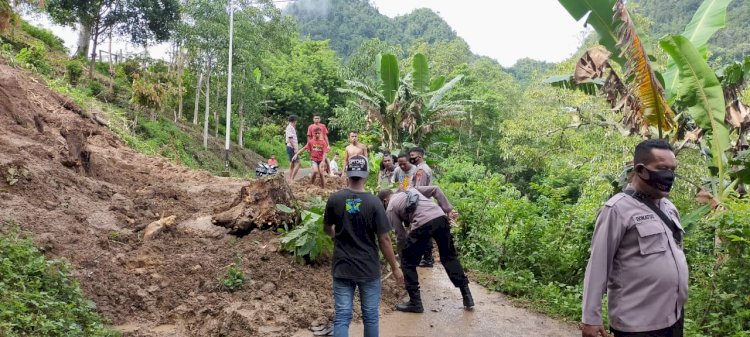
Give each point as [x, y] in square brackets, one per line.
[636, 254]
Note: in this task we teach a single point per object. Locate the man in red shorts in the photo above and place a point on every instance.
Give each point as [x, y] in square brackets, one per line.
[318, 148]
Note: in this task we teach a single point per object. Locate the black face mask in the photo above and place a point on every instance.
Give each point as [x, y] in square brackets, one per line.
[413, 160]
[660, 180]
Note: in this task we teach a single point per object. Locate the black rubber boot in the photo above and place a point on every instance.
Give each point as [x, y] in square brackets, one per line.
[427, 262]
[468, 300]
[413, 305]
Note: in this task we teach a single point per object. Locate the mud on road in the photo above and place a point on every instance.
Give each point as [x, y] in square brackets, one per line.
[83, 195]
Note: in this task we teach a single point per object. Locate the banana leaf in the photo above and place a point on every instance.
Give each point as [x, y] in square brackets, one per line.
[420, 73]
[589, 87]
[600, 13]
[653, 108]
[700, 90]
[707, 20]
[390, 77]
[437, 82]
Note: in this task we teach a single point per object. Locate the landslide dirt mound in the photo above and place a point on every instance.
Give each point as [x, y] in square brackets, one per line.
[83, 195]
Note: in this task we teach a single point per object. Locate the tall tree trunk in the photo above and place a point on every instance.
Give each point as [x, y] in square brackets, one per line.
[479, 147]
[180, 73]
[197, 98]
[93, 50]
[111, 68]
[216, 111]
[84, 38]
[240, 135]
[208, 91]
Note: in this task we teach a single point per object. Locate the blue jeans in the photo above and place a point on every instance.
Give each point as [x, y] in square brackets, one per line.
[343, 295]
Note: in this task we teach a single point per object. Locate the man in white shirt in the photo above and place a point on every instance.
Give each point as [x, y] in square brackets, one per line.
[292, 146]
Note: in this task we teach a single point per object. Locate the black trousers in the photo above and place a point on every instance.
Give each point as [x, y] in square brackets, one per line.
[672, 331]
[428, 253]
[416, 244]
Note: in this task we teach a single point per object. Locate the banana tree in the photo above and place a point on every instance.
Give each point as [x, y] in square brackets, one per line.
[691, 84]
[410, 107]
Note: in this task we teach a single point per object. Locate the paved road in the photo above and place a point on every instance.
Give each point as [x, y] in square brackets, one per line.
[493, 316]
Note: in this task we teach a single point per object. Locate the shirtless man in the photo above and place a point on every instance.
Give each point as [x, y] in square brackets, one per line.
[354, 148]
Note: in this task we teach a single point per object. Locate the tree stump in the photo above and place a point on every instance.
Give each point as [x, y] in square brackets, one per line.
[264, 203]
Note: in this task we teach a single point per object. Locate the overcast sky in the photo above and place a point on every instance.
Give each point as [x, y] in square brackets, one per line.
[502, 29]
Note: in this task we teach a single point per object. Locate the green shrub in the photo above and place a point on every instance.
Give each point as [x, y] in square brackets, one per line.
[95, 88]
[309, 242]
[38, 298]
[44, 35]
[34, 57]
[719, 303]
[74, 70]
[130, 68]
[234, 279]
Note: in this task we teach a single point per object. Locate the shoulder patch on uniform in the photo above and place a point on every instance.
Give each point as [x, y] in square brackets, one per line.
[613, 200]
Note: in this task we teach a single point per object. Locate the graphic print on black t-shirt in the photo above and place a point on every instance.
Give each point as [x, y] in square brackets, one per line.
[357, 217]
[352, 205]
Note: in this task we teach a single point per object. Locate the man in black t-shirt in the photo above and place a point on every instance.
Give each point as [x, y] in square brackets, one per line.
[355, 219]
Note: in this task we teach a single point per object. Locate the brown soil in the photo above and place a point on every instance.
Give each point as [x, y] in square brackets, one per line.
[83, 195]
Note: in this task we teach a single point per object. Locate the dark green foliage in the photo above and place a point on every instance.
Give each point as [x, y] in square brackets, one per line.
[74, 70]
[95, 88]
[38, 298]
[266, 140]
[309, 242]
[234, 279]
[130, 68]
[671, 17]
[305, 82]
[34, 56]
[50, 39]
[348, 23]
[525, 69]
[719, 302]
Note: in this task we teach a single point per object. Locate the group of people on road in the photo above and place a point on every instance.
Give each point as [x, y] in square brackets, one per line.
[318, 146]
[361, 222]
[637, 256]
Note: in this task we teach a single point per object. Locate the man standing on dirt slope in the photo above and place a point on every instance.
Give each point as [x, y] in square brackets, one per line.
[355, 148]
[318, 149]
[310, 134]
[354, 219]
[423, 177]
[426, 220]
[636, 254]
[292, 146]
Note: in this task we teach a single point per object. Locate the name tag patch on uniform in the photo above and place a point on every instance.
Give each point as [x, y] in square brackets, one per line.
[644, 217]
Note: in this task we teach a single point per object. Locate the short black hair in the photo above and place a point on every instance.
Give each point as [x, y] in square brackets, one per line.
[316, 115]
[403, 155]
[417, 150]
[384, 194]
[292, 118]
[643, 150]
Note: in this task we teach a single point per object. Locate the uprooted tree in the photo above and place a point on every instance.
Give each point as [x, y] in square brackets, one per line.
[264, 203]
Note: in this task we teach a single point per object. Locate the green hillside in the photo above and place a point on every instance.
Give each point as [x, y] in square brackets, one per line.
[348, 23]
[671, 16]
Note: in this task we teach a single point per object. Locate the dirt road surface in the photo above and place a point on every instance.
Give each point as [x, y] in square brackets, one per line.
[493, 316]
